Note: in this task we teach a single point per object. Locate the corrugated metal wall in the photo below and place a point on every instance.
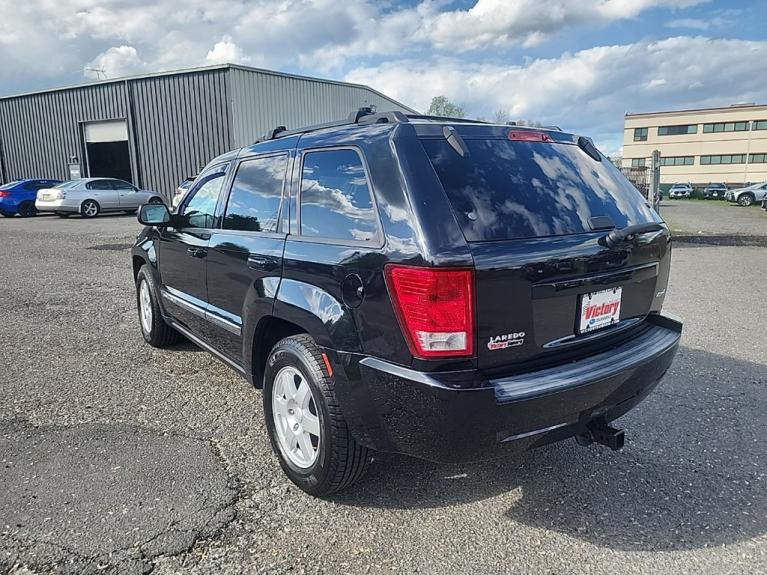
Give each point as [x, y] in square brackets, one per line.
[39, 132]
[263, 101]
[181, 122]
[176, 122]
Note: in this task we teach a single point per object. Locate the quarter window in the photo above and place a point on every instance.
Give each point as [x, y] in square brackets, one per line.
[677, 130]
[336, 200]
[640, 134]
[254, 202]
[677, 160]
[199, 209]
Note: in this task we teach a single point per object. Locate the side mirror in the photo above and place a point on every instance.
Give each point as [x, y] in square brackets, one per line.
[154, 215]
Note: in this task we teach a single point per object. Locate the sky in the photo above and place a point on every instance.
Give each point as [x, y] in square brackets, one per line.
[578, 64]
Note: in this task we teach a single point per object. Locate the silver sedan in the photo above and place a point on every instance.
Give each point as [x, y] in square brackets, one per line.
[91, 196]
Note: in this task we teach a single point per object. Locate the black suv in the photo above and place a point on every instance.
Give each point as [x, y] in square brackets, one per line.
[447, 289]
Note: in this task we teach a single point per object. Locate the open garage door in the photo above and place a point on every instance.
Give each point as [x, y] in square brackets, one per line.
[106, 144]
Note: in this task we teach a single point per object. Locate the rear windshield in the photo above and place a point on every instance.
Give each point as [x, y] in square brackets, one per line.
[68, 184]
[514, 189]
[9, 185]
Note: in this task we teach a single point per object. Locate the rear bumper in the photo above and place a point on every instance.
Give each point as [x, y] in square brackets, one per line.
[441, 418]
[9, 205]
[57, 205]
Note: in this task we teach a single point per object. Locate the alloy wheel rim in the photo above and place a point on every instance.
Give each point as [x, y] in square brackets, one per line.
[145, 306]
[90, 209]
[296, 419]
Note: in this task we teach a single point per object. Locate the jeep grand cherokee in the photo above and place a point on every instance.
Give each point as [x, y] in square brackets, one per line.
[447, 289]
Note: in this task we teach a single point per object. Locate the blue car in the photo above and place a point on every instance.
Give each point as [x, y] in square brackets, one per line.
[18, 197]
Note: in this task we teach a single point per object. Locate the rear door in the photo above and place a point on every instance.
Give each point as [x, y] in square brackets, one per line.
[104, 193]
[245, 252]
[127, 194]
[534, 208]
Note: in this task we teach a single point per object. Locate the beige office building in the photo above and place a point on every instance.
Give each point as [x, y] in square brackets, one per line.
[726, 145]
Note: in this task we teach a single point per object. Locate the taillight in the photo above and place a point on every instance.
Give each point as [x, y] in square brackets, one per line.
[435, 307]
[529, 136]
[4, 193]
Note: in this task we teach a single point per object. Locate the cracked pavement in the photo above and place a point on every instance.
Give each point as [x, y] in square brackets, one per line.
[120, 458]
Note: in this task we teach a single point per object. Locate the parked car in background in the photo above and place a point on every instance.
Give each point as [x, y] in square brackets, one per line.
[715, 191]
[91, 196]
[748, 195]
[182, 189]
[680, 191]
[18, 197]
[764, 204]
[398, 304]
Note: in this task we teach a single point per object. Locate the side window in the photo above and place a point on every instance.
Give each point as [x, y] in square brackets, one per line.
[254, 202]
[99, 185]
[335, 198]
[121, 185]
[199, 209]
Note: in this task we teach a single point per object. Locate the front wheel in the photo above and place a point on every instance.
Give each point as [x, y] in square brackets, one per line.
[306, 428]
[89, 209]
[746, 200]
[156, 332]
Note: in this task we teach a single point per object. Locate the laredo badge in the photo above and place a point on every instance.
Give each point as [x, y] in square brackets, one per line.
[506, 340]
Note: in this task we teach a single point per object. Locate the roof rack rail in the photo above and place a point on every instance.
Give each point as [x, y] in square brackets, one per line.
[444, 119]
[364, 115]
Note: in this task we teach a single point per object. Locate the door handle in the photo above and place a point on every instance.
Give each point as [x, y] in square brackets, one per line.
[197, 252]
[264, 263]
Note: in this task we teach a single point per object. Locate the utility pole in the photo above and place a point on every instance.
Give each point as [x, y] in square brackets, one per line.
[655, 181]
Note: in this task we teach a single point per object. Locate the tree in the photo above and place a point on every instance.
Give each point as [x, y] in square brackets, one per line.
[441, 106]
[501, 117]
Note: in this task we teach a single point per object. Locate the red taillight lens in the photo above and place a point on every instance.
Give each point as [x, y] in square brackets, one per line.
[435, 307]
[4, 193]
[529, 136]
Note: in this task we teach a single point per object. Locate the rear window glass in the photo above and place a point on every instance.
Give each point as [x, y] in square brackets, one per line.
[68, 184]
[513, 189]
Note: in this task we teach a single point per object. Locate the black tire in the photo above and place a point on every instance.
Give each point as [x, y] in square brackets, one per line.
[746, 200]
[155, 200]
[340, 459]
[87, 209]
[160, 334]
[27, 209]
[7, 215]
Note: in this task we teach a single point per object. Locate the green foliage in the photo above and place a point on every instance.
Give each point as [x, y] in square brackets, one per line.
[441, 106]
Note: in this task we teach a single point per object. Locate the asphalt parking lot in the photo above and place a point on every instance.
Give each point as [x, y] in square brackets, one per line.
[117, 457]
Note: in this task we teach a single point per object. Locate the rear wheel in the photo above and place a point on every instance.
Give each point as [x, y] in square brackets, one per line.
[156, 332]
[90, 209]
[155, 200]
[27, 209]
[306, 427]
[746, 199]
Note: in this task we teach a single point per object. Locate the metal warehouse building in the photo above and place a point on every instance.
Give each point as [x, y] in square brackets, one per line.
[155, 130]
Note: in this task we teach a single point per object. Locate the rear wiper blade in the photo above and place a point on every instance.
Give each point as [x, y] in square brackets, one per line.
[456, 142]
[628, 233]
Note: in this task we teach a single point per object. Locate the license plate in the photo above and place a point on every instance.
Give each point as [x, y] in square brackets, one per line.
[600, 309]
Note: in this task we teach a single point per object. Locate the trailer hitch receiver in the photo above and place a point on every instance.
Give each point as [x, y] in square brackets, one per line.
[599, 431]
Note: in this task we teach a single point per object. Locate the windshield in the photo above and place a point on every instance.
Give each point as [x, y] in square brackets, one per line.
[514, 189]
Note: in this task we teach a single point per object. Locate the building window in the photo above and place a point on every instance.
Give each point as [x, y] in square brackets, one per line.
[760, 124]
[757, 159]
[725, 127]
[677, 161]
[640, 134]
[677, 130]
[637, 162]
[723, 159]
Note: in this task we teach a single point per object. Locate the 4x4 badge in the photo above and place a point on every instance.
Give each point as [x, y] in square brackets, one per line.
[506, 340]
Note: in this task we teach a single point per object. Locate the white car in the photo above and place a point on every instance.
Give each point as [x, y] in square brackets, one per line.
[680, 191]
[749, 195]
[91, 196]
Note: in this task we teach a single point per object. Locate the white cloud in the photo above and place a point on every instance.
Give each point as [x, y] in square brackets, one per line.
[588, 91]
[226, 51]
[115, 62]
